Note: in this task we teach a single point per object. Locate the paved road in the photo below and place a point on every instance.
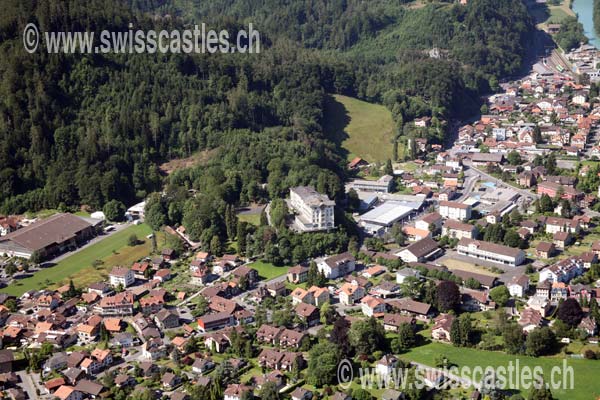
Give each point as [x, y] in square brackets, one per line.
[28, 384]
[471, 179]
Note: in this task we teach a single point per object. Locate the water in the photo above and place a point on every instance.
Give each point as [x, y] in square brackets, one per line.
[585, 10]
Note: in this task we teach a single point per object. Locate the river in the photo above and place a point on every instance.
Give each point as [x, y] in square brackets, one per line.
[585, 10]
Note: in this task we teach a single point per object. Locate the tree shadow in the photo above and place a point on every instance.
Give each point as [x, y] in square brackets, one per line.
[335, 121]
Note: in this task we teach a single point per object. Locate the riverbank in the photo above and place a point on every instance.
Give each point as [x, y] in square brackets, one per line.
[584, 9]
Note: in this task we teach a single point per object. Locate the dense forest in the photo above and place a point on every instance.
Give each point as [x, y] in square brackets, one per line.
[596, 16]
[85, 129]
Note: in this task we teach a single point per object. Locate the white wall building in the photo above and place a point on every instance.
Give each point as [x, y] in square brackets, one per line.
[314, 211]
[454, 210]
[121, 276]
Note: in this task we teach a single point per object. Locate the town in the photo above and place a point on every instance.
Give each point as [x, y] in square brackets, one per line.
[283, 219]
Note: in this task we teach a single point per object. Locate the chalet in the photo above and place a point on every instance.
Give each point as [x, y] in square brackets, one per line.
[545, 250]
[167, 318]
[442, 327]
[297, 274]
[392, 322]
[408, 306]
[308, 314]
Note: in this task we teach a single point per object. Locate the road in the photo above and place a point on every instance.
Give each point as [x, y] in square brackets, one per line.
[28, 384]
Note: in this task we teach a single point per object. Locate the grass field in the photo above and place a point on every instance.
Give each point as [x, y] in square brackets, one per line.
[253, 219]
[465, 266]
[112, 250]
[586, 386]
[267, 270]
[362, 129]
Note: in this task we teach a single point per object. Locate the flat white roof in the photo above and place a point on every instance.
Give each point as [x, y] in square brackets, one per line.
[387, 213]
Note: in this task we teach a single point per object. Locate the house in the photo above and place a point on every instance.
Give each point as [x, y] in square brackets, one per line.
[202, 365]
[588, 325]
[218, 341]
[562, 239]
[277, 288]
[431, 220]
[527, 179]
[392, 322]
[154, 349]
[372, 306]
[297, 274]
[236, 391]
[314, 211]
[545, 250]
[493, 252]
[268, 334]
[170, 381]
[455, 210]
[422, 311]
[350, 293]
[89, 389]
[386, 365]
[336, 266]
[151, 304]
[301, 394]
[118, 305]
[68, 393]
[420, 251]
[476, 300]
[140, 269]
[121, 276]
[442, 327]
[530, 319]
[6, 360]
[518, 286]
[373, 271]
[552, 189]
[163, 274]
[308, 314]
[404, 273]
[167, 318]
[90, 366]
[563, 271]
[458, 230]
[103, 357]
[246, 273]
[168, 254]
[290, 338]
[391, 394]
[215, 321]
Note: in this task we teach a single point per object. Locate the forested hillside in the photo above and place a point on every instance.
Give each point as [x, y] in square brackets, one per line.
[84, 129]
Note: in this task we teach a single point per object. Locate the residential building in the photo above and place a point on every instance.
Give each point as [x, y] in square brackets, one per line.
[336, 266]
[420, 251]
[121, 276]
[458, 230]
[455, 210]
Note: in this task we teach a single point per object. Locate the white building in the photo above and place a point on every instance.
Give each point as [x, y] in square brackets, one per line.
[314, 211]
[381, 185]
[378, 220]
[518, 286]
[454, 210]
[336, 266]
[420, 251]
[121, 276]
[492, 252]
[458, 230]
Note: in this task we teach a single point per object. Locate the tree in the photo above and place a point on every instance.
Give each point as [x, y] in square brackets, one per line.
[545, 203]
[569, 311]
[405, 340]
[367, 336]
[361, 394]
[216, 246]
[323, 362]
[10, 269]
[339, 336]
[313, 274]
[132, 240]
[461, 331]
[514, 158]
[388, 169]
[448, 296]
[500, 295]
[514, 340]
[540, 393]
[155, 213]
[512, 239]
[114, 210]
[540, 342]
[269, 391]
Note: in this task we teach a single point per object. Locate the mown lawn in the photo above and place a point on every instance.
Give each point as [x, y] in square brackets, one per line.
[253, 219]
[112, 250]
[586, 383]
[267, 270]
[362, 129]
